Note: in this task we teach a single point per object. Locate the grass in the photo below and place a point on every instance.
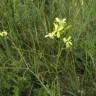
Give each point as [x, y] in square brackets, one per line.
[31, 65]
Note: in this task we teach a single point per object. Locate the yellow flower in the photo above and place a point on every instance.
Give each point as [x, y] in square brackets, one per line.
[50, 35]
[57, 30]
[60, 20]
[3, 34]
[67, 41]
[59, 26]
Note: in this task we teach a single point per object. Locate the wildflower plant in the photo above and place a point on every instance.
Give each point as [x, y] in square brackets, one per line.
[59, 32]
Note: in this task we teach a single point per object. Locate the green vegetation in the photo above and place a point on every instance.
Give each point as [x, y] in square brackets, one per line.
[32, 65]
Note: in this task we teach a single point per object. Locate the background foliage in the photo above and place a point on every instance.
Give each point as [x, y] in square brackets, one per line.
[31, 65]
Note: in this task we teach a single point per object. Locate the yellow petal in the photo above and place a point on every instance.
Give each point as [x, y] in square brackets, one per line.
[55, 26]
[58, 34]
[65, 40]
[57, 19]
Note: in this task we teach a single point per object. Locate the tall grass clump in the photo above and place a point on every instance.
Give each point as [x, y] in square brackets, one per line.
[32, 65]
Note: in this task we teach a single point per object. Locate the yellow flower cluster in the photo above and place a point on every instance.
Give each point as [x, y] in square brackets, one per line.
[3, 33]
[60, 28]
